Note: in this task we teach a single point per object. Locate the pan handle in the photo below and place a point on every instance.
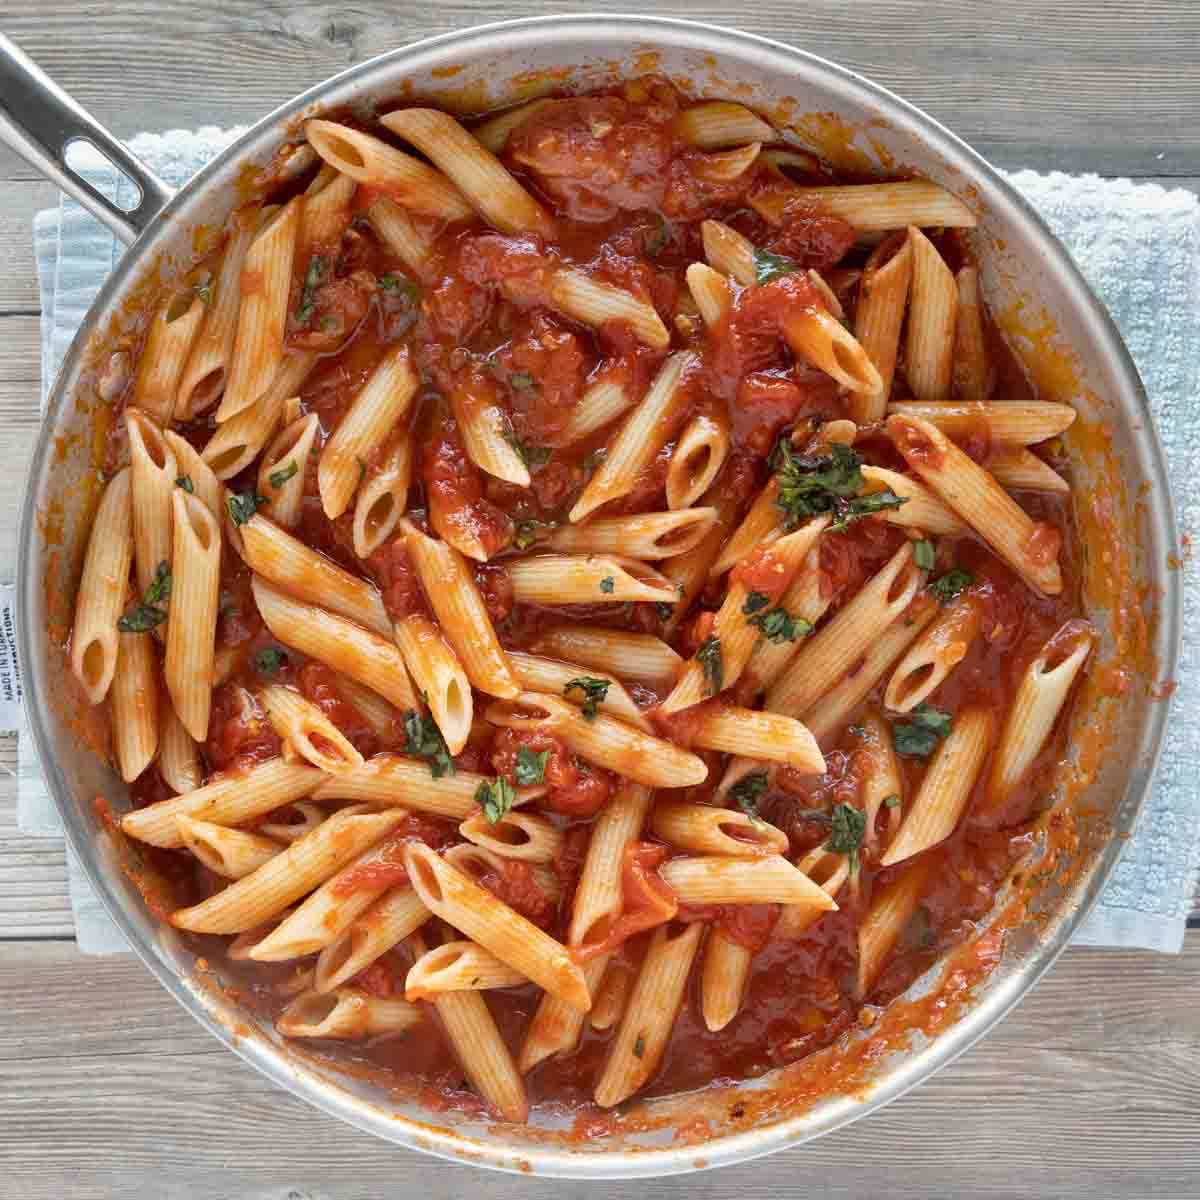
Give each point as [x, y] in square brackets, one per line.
[40, 121]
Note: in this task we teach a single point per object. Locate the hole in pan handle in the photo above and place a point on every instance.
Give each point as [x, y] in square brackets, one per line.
[41, 123]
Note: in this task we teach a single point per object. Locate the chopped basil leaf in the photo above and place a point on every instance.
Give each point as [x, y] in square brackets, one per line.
[362, 468]
[269, 659]
[918, 933]
[204, 293]
[920, 738]
[748, 790]
[657, 240]
[141, 618]
[594, 691]
[185, 482]
[495, 798]
[313, 278]
[924, 555]
[847, 825]
[857, 730]
[526, 532]
[400, 286]
[639, 1045]
[768, 266]
[160, 585]
[521, 381]
[278, 478]
[755, 601]
[811, 484]
[530, 768]
[778, 625]
[607, 585]
[864, 506]
[531, 456]
[708, 653]
[947, 587]
[423, 739]
[665, 611]
[244, 505]
[892, 801]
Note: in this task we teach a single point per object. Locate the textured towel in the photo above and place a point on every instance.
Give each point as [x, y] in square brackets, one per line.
[1139, 247]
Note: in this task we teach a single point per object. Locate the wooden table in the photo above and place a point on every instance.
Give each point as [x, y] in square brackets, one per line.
[1092, 1088]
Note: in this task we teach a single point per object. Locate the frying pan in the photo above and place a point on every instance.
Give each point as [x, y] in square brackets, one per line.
[1058, 329]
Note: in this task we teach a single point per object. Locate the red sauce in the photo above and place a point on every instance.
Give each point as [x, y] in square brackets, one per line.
[383, 867]
[577, 789]
[647, 901]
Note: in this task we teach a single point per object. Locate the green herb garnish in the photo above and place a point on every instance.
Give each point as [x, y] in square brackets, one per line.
[400, 286]
[864, 506]
[810, 484]
[847, 825]
[755, 601]
[768, 266]
[778, 625]
[423, 739]
[708, 654]
[594, 692]
[495, 798]
[244, 505]
[531, 456]
[639, 1045]
[664, 610]
[278, 478]
[149, 614]
[530, 768]
[748, 791]
[268, 660]
[656, 240]
[892, 801]
[607, 584]
[313, 278]
[521, 381]
[185, 482]
[525, 533]
[947, 587]
[920, 738]
[924, 555]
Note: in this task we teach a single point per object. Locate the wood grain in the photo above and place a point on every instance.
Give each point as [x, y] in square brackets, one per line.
[1090, 1088]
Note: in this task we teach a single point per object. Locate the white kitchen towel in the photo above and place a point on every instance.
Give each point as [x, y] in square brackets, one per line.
[1139, 247]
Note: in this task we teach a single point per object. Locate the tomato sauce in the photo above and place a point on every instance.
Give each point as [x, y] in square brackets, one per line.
[627, 196]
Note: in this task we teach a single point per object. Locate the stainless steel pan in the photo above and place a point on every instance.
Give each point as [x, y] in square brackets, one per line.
[1061, 332]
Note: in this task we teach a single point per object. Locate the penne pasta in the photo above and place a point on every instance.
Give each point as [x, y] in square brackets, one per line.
[152, 475]
[637, 1049]
[594, 303]
[1019, 470]
[690, 572]
[325, 214]
[612, 996]
[1030, 548]
[537, 674]
[396, 229]
[366, 657]
[192, 630]
[760, 735]
[932, 316]
[458, 967]
[830, 713]
[284, 467]
[230, 853]
[377, 409]
[280, 881]
[695, 462]
[493, 134]
[882, 300]
[936, 653]
[304, 726]
[240, 440]
[641, 657]
[711, 293]
[556, 1025]
[195, 475]
[203, 377]
[727, 165]
[641, 437]
[971, 372]
[880, 783]
[585, 579]
[891, 910]
[870, 207]
[375, 164]
[265, 288]
[825, 657]
[723, 979]
[103, 586]
[1004, 422]
[481, 178]
[766, 879]
[600, 739]
[231, 798]
[134, 705]
[599, 406]
[383, 498]
[477, 862]
[702, 829]
[516, 835]
[293, 822]
[1041, 696]
[946, 786]
[301, 571]
[439, 678]
[921, 508]
[739, 625]
[829, 872]
[349, 1013]
[821, 339]
[642, 536]
[178, 758]
[168, 343]
[460, 902]
[389, 920]
[715, 124]
[454, 597]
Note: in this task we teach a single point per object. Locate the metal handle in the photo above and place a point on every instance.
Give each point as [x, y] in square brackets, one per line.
[40, 121]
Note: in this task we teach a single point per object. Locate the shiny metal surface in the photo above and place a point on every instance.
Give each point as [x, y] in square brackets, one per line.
[40, 122]
[1020, 260]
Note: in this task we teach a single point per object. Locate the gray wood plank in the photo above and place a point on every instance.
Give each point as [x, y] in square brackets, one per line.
[18, 272]
[1090, 1088]
[1108, 87]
